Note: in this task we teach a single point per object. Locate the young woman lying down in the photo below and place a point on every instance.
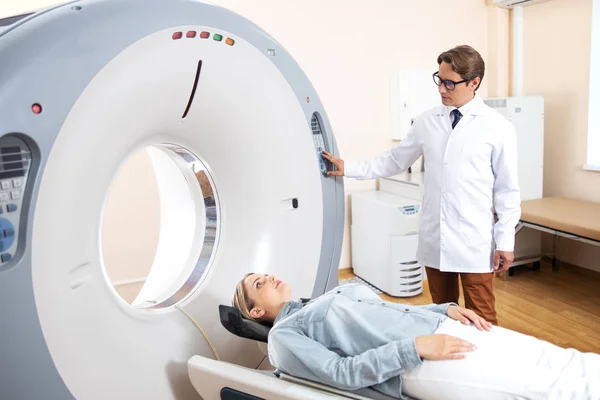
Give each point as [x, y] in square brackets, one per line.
[350, 338]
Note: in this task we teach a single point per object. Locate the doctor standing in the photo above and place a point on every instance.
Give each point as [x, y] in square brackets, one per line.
[470, 155]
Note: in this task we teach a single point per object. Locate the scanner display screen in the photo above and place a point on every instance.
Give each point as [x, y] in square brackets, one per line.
[11, 162]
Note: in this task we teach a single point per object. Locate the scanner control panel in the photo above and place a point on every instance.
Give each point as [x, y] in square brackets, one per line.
[15, 163]
[319, 141]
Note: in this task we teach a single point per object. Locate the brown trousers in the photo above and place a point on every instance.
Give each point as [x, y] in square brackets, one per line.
[477, 289]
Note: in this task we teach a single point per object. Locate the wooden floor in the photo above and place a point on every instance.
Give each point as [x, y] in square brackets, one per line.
[561, 307]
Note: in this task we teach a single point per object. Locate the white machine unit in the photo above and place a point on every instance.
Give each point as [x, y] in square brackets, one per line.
[408, 185]
[385, 236]
[527, 115]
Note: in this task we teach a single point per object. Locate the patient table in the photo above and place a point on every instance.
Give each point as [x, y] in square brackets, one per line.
[562, 217]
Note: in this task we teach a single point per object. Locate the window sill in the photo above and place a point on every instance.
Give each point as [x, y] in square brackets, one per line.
[592, 167]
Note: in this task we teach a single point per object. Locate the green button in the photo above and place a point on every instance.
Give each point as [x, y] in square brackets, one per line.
[218, 37]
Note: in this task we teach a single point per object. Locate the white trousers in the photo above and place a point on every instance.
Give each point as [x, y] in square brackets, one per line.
[506, 365]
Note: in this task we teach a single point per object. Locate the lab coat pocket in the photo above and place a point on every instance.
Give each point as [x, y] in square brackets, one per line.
[427, 220]
[476, 225]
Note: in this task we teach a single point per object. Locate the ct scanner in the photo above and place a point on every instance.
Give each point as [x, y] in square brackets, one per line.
[82, 87]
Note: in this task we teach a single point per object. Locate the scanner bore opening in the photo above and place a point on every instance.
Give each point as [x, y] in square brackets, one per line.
[159, 227]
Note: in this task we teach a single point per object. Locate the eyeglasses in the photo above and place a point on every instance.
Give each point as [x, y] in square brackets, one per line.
[450, 85]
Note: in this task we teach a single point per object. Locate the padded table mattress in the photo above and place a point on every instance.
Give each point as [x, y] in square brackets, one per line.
[577, 217]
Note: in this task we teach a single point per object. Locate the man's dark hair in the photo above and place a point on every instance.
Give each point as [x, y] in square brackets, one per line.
[465, 61]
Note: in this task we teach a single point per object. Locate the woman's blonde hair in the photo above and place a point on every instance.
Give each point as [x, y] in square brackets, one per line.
[242, 301]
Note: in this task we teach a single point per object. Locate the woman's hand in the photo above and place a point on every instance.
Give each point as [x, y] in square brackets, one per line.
[467, 317]
[442, 347]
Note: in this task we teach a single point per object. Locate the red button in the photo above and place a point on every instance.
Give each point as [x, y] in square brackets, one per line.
[36, 108]
[190, 34]
[177, 35]
[205, 35]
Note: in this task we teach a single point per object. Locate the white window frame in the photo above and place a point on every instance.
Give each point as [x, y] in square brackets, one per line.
[593, 140]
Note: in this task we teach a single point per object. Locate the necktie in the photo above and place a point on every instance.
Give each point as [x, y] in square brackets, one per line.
[457, 116]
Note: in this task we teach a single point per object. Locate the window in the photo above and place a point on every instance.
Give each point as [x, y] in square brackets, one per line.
[593, 142]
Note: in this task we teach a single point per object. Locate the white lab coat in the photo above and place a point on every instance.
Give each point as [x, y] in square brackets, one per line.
[469, 172]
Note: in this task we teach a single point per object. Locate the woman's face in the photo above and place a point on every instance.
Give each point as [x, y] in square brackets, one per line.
[269, 295]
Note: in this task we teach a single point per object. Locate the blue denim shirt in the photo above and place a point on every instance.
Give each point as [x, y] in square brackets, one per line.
[350, 338]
